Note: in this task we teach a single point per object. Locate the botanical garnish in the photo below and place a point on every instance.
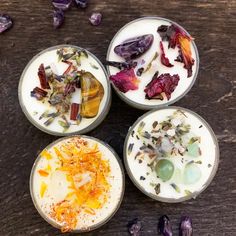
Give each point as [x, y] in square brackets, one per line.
[177, 37]
[122, 65]
[125, 80]
[176, 188]
[74, 111]
[157, 189]
[61, 4]
[130, 148]
[57, 90]
[140, 71]
[186, 227]
[164, 226]
[38, 93]
[81, 3]
[96, 18]
[134, 227]
[134, 47]
[58, 18]
[150, 63]
[165, 83]
[43, 78]
[5, 22]
[164, 60]
[87, 174]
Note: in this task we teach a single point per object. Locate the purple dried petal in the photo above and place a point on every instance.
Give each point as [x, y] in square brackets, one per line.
[186, 228]
[61, 4]
[165, 83]
[5, 22]
[38, 93]
[134, 227]
[95, 18]
[58, 18]
[134, 47]
[81, 3]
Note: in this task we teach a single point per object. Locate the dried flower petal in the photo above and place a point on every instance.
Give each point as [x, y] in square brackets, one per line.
[134, 47]
[81, 3]
[122, 65]
[164, 60]
[134, 227]
[125, 80]
[58, 18]
[5, 22]
[38, 93]
[42, 77]
[95, 18]
[186, 228]
[165, 83]
[177, 37]
[74, 111]
[164, 226]
[61, 4]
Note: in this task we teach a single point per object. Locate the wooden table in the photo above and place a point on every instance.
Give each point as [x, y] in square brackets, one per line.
[211, 23]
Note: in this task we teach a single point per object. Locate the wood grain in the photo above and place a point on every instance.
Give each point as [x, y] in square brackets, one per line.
[211, 23]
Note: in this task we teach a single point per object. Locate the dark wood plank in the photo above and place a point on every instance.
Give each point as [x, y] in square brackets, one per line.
[212, 23]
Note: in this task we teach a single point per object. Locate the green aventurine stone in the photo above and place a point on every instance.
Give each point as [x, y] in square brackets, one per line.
[192, 173]
[164, 169]
[193, 150]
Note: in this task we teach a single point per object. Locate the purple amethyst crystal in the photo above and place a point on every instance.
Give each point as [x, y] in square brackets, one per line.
[5, 22]
[134, 47]
[61, 4]
[186, 227]
[95, 18]
[81, 3]
[134, 227]
[58, 18]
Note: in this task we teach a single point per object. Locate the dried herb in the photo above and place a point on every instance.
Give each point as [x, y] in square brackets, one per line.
[74, 111]
[42, 77]
[140, 127]
[200, 127]
[154, 124]
[187, 192]
[142, 178]
[130, 148]
[38, 93]
[157, 189]
[150, 63]
[140, 71]
[94, 66]
[49, 121]
[175, 187]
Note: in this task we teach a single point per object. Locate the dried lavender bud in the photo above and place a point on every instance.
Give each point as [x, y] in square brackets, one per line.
[61, 4]
[5, 22]
[95, 18]
[122, 65]
[134, 47]
[186, 228]
[58, 18]
[140, 71]
[81, 3]
[134, 227]
[164, 226]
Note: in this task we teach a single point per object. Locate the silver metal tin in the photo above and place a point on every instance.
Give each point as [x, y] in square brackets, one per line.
[143, 106]
[172, 200]
[89, 128]
[109, 216]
